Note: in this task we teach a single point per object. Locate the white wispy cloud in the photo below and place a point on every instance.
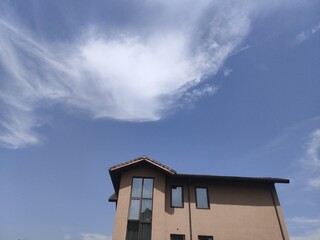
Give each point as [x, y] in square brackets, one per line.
[67, 237]
[197, 93]
[312, 155]
[304, 220]
[304, 35]
[310, 227]
[314, 183]
[135, 76]
[227, 71]
[311, 160]
[237, 51]
[313, 235]
[95, 236]
[136, 73]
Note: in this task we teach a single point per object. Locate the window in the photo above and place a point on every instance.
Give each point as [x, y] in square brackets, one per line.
[176, 196]
[205, 238]
[176, 237]
[140, 212]
[202, 200]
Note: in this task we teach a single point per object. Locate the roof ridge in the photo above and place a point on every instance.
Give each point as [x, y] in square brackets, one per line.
[143, 157]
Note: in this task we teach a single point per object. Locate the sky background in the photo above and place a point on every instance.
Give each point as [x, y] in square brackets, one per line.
[205, 87]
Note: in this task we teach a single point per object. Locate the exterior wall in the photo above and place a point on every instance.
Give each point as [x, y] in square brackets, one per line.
[280, 214]
[177, 219]
[237, 211]
[121, 218]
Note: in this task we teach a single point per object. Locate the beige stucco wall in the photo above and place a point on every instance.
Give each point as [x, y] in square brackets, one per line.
[177, 219]
[237, 211]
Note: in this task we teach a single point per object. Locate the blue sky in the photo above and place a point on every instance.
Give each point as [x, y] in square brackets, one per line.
[205, 87]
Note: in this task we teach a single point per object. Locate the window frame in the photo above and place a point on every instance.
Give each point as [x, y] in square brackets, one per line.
[178, 235]
[182, 197]
[196, 197]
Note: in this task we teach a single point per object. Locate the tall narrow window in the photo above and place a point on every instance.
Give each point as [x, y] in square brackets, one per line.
[202, 199]
[176, 196]
[140, 212]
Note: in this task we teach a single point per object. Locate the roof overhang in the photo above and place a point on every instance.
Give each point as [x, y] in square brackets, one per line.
[234, 178]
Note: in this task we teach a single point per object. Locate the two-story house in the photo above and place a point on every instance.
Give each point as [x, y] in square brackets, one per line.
[155, 202]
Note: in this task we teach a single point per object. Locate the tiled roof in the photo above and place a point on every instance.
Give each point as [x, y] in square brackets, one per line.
[140, 159]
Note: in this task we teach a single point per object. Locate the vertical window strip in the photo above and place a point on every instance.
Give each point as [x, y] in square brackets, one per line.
[140, 212]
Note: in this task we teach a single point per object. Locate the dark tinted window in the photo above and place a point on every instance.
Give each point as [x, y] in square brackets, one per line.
[176, 196]
[145, 231]
[205, 238]
[132, 230]
[202, 197]
[176, 237]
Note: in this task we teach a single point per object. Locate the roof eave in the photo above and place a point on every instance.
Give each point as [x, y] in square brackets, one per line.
[235, 178]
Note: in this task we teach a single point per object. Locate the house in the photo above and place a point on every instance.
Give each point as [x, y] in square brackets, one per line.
[155, 202]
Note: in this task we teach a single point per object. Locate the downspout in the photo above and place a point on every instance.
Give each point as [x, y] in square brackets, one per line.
[277, 213]
[189, 205]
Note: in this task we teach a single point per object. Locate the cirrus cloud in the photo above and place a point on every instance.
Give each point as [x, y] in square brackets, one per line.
[94, 236]
[136, 72]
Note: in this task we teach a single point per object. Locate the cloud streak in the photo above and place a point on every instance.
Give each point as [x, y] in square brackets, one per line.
[94, 236]
[304, 35]
[313, 226]
[304, 220]
[312, 156]
[311, 160]
[314, 235]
